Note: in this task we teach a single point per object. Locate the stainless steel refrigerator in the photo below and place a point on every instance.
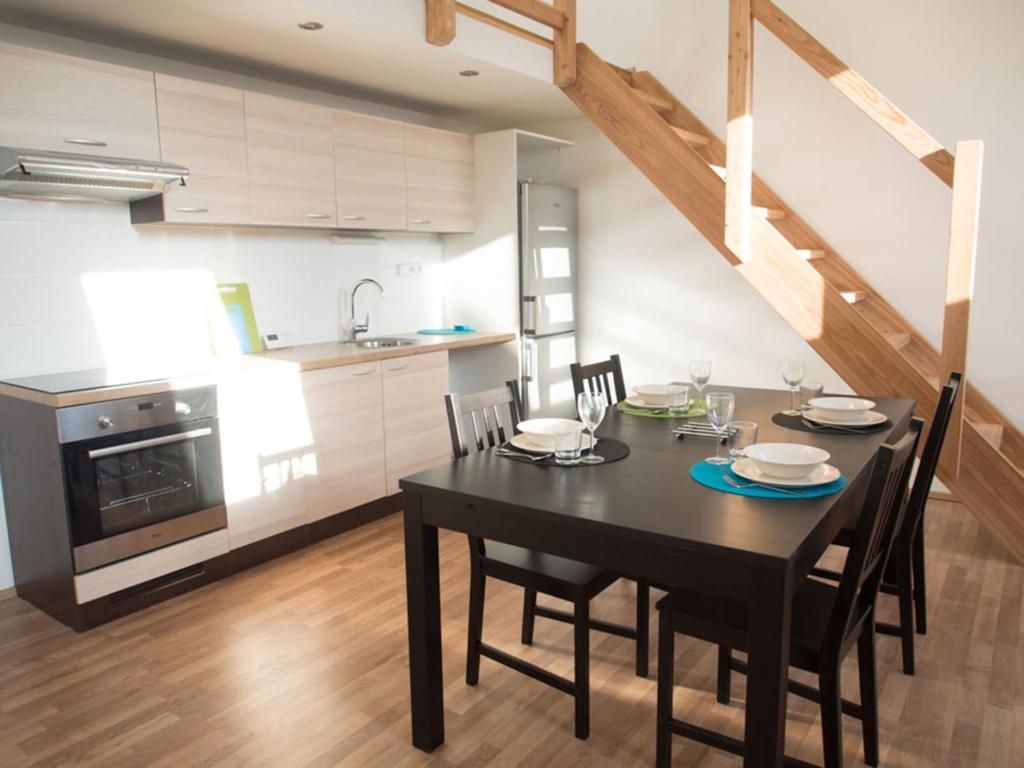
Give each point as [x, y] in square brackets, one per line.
[547, 288]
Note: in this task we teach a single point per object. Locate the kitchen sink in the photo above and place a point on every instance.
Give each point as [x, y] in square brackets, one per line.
[379, 343]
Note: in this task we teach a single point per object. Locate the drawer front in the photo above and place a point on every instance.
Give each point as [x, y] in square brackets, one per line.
[43, 83]
[79, 135]
[415, 424]
[127, 573]
[370, 188]
[208, 200]
[346, 416]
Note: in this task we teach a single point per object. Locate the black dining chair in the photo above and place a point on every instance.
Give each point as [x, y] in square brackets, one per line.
[492, 416]
[828, 621]
[595, 378]
[905, 575]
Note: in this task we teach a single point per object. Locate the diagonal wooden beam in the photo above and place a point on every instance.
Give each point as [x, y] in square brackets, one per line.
[887, 115]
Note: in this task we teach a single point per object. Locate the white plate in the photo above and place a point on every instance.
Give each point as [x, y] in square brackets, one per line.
[842, 408]
[546, 427]
[659, 394]
[636, 402]
[528, 444]
[869, 419]
[822, 474]
[786, 460]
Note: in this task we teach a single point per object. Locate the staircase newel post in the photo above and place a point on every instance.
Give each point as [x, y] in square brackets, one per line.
[963, 252]
[739, 146]
[564, 40]
[440, 21]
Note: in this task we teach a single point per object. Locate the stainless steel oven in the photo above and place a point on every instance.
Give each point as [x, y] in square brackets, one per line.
[141, 473]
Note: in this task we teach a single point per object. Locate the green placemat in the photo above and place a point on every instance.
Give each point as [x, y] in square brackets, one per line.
[696, 409]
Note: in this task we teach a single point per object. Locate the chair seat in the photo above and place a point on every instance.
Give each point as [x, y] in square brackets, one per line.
[546, 573]
[813, 602]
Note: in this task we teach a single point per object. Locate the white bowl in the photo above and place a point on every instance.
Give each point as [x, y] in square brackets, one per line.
[842, 408]
[659, 394]
[786, 460]
[541, 432]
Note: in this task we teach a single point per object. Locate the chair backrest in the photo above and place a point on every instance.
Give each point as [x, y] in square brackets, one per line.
[873, 538]
[930, 458]
[492, 416]
[600, 377]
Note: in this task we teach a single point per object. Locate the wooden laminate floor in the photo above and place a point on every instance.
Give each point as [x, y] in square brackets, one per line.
[301, 662]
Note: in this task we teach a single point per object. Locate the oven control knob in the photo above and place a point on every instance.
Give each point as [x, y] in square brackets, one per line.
[182, 409]
[105, 422]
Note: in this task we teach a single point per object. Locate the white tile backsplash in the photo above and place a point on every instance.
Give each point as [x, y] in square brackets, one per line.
[299, 280]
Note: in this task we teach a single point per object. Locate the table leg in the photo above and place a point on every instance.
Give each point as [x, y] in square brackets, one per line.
[768, 667]
[423, 600]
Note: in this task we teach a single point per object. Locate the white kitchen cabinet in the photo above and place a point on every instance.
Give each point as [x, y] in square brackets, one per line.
[55, 102]
[202, 126]
[440, 181]
[290, 148]
[416, 433]
[369, 172]
[346, 417]
[266, 446]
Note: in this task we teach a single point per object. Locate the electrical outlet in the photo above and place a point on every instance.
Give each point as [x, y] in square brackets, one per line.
[410, 270]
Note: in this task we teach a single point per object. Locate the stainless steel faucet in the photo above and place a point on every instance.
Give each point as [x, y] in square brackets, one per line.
[355, 328]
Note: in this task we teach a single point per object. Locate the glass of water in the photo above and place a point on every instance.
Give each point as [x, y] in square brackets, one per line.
[679, 400]
[591, 407]
[567, 445]
[721, 407]
[793, 374]
[744, 435]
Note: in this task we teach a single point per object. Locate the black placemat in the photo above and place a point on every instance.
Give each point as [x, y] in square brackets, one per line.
[797, 423]
[611, 450]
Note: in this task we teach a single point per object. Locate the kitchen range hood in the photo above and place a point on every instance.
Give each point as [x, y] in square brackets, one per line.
[70, 176]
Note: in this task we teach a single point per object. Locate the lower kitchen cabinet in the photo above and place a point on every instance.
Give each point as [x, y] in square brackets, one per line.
[415, 424]
[266, 445]
[346, 416]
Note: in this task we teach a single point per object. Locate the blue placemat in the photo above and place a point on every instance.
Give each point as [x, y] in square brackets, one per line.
[447, 331]
[710, 475]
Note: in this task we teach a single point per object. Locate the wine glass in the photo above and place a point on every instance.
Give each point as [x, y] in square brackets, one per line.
[700, 375]
[793, 374]
[721, 407]
[591, 407]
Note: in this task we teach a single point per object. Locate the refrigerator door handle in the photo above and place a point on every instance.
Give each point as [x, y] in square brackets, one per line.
[529, 314]
[529, 350]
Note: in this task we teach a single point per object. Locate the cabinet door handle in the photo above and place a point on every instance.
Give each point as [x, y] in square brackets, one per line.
[421, 221]
[318, 216]
[354, 218]
[190, 209]
[398, 367]
[362, 373]
[84, 142]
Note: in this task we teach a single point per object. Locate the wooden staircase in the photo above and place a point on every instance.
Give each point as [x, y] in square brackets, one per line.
[854, 329]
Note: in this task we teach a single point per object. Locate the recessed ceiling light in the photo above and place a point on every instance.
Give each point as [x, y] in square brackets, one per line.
[310, 26]
[469, 73]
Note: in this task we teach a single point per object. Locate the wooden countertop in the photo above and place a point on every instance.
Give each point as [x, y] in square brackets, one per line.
[306, 357]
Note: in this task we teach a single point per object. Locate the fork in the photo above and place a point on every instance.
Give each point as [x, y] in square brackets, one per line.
[510, 454]
[750, 484]
[830, 427]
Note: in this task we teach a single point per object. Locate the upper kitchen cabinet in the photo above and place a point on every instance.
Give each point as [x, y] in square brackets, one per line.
[369, 172]
[290, 148]
[202, 127]
[441, 188]
[55, 102]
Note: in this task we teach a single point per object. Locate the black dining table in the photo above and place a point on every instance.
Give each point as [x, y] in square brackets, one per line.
[643, 517]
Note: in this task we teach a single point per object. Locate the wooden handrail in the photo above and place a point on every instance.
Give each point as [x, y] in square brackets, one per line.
[909, 134]
[963, 248]
[543, 13]
[505, 26]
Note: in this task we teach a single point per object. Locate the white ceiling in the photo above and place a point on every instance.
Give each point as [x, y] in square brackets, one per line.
[384, 62]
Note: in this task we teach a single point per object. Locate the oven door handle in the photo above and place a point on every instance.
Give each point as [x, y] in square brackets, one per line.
[180, 437]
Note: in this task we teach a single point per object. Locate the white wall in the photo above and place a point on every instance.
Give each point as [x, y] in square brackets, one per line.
[953, 66]
[651, 288]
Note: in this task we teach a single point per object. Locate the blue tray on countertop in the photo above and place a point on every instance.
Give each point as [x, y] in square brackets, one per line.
[455, 329]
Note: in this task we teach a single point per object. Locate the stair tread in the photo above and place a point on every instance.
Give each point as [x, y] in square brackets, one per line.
[853, 295]
[810, 254]
[656, 102]
[898, 339]
[695, 138]
[771, 214]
